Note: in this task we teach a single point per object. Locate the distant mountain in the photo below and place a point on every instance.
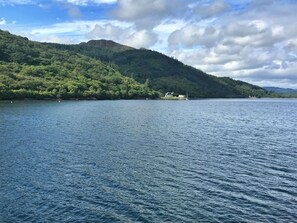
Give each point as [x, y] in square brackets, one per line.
[280, 90]
[163, 73]
[36, 70]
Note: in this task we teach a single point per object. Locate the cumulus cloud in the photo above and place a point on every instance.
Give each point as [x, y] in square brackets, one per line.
[258, 44]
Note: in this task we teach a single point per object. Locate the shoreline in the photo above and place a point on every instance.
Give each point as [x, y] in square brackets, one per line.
[136, 99]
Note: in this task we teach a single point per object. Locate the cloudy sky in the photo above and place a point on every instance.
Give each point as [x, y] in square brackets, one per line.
[249, 40]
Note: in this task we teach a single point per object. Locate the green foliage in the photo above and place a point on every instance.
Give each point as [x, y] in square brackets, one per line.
[38, 71]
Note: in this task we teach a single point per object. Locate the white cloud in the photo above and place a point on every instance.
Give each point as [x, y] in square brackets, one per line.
[141, 38]
[2, 21]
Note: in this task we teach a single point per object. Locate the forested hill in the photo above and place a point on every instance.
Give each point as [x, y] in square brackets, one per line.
[103, 69]
[163, 73]
[36, 70]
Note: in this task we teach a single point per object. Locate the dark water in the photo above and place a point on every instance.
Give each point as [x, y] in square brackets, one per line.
[149, 161]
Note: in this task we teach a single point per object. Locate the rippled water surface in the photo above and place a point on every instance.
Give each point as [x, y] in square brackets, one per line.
[149, 161]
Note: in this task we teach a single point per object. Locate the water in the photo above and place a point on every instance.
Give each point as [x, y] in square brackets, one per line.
[149, 161]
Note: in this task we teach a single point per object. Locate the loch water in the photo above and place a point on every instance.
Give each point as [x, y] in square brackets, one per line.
[219, 160]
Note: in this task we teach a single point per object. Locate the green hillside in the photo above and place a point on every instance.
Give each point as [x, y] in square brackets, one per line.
[103, 69]
[35, 70]
[163, 73]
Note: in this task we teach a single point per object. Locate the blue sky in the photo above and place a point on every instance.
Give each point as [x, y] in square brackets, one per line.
[249, 40]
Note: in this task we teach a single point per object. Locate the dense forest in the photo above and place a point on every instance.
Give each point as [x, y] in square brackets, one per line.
[34, 70]
[103, 69]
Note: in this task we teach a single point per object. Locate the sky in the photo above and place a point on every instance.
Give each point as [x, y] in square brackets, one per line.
[249, 40]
